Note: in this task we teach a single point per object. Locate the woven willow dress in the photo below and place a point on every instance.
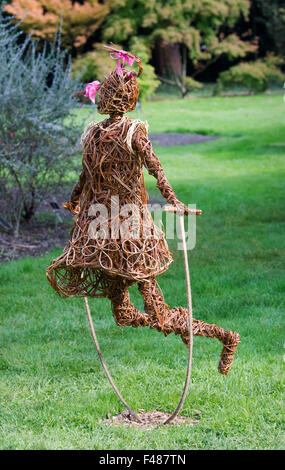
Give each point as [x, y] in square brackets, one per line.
[114, 153]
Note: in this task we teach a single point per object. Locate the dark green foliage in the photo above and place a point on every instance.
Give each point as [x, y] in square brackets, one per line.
[269, 16]
[253, 75]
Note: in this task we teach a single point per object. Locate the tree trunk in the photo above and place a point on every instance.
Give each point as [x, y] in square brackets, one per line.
[18, 220]
[168, 59]
[29, 207]
[184, 61]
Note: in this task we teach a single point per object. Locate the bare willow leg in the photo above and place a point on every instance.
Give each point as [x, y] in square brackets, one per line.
[176, 321]
[158, 315]
[124, 311]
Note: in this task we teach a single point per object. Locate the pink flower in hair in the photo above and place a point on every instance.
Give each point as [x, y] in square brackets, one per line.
[124, 57]
[91, 90]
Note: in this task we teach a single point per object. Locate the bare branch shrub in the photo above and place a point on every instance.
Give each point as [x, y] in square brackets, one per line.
[38, 130]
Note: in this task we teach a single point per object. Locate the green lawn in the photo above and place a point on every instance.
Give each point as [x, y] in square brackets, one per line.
[53, 390]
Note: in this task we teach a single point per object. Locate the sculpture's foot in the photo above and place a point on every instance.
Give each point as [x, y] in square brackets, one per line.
[231, 341]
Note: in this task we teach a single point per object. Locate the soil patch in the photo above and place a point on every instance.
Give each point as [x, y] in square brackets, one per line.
[47, 231]
[173, 138]
[149, 419]
[34, 240]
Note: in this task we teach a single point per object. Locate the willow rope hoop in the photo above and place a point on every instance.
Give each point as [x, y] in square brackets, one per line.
[190, 318]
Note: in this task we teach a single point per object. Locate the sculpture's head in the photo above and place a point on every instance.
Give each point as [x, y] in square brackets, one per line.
[119, 91]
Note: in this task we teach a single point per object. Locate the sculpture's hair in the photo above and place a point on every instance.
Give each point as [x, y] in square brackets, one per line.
[118, 93]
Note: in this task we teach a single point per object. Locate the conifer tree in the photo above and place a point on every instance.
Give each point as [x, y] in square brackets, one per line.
[179, 30]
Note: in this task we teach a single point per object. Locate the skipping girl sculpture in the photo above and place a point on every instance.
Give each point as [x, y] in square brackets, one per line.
[93, 264]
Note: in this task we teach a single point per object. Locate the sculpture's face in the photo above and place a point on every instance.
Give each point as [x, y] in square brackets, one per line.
[118, 93]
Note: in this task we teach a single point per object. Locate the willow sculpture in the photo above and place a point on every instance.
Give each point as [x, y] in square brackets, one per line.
[103, 260]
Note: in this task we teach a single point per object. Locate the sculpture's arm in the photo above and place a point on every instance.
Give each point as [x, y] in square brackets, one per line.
[87, 141]
[145, 150]
[73, 204]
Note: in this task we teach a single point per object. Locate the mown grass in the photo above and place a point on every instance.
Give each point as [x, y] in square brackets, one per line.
[53, 390]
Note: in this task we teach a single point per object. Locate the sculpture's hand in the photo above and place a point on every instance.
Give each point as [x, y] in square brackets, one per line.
[180, 208]
[74, 209]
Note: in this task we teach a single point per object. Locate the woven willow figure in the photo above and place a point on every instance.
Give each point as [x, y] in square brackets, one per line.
[103, 260]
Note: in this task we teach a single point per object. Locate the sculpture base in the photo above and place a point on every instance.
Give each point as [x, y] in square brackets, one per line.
[148, 419]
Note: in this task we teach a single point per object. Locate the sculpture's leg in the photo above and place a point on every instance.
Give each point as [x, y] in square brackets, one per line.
[175, 320]
[124, 311]
[158, 315]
